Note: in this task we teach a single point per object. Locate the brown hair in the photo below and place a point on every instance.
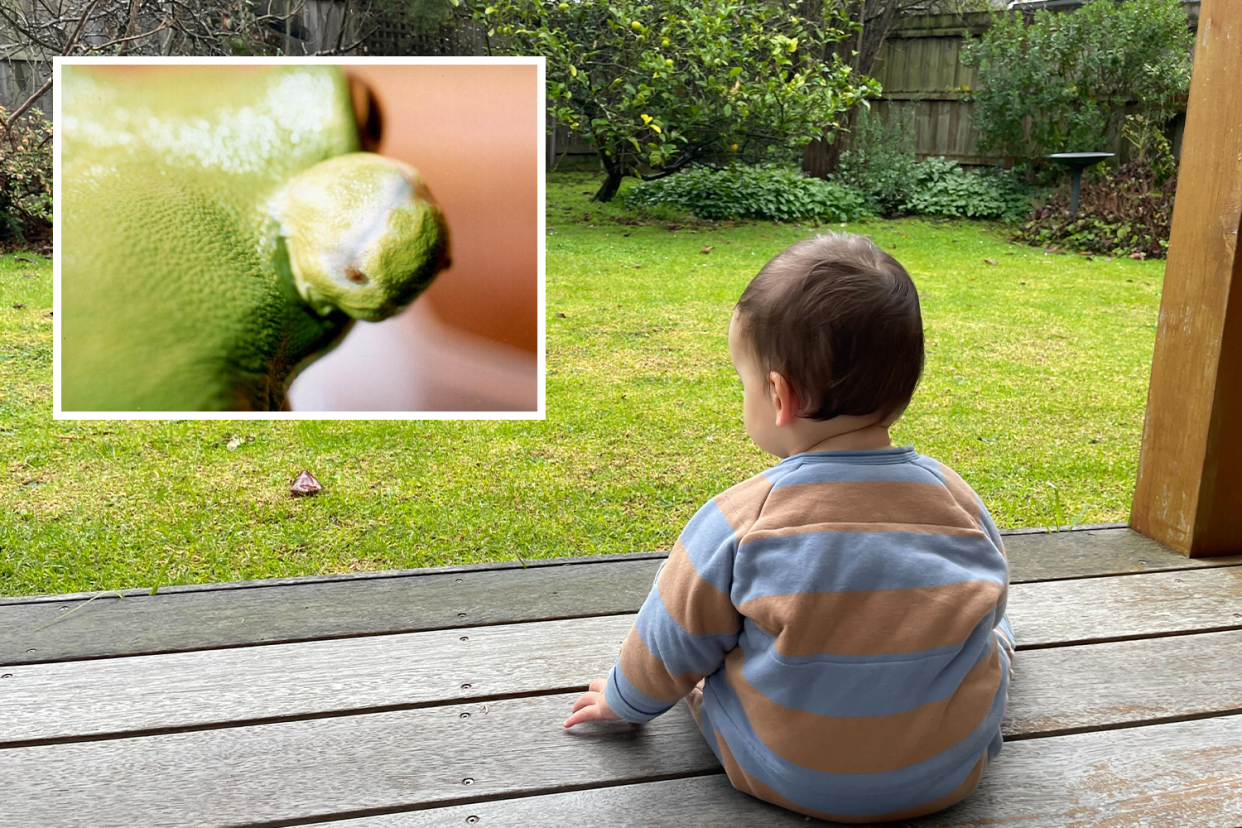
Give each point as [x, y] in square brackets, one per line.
[839, 319]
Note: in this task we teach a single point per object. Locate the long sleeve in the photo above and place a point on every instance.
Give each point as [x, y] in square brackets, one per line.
[1002, 624]
[685, 627]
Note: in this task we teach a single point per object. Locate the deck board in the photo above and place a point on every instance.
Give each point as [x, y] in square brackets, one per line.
[1056, 689]
[421, 758]
[296, 770]
[32, 630]
[1182, 775]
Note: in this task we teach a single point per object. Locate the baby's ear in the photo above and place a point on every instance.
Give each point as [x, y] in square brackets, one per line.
[784, 398]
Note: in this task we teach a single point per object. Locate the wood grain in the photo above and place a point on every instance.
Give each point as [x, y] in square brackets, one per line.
[1056, 689]
[1189, 490]
[255, 613]
[353, 764]
[1131, 606]
[1183, 775]
[1178, 774]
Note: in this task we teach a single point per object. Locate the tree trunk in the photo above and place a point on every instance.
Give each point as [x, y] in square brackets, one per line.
[820, 158]
[614, 166]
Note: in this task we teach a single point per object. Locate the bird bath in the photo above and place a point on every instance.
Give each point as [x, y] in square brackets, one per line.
[1077, 162]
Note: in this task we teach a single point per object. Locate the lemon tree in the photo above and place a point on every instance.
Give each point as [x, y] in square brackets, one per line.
[655, 86]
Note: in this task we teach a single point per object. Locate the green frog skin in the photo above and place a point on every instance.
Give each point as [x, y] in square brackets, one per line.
[219, 231]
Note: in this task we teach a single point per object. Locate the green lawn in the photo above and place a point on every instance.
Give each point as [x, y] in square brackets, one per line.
[1034, 391]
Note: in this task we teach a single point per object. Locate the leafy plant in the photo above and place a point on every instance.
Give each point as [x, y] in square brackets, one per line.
[656, 86]
[1124, 212]
[742, 191]
[880, 160]
[1151, 147]
[26, 178]
[1061, 83]
[942, 188]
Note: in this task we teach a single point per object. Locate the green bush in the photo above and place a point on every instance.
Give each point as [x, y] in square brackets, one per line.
[942, 188]
[763, 192]
[880, 158]
[26, 180]
[1062, 82]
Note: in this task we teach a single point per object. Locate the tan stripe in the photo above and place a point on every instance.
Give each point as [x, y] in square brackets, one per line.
[648, 673]
[966, 496]
[697, 606]
[916, 528]
[873, 622]
[863, 501]
[962, 493]
[742, 503]
[875, 743]
[746, 783]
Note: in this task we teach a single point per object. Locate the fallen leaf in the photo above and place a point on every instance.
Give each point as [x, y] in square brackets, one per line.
[991, 261]
[707, 249]
[238, 441]
[304, 484]
[18, 305]
[560, 316]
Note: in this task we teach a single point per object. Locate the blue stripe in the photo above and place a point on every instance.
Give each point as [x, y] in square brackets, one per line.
[709, 541]
[989, 526]
[848, 794]
[871, 685]
[1007, 629]
[808, 470]
[858, 457]
[680, 651]
[779, 472]
[850, 561]
[628, 702]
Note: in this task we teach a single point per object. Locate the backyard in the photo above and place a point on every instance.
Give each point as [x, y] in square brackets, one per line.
[1034, 390]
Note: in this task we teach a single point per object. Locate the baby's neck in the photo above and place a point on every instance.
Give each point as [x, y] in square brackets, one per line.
[844, 433]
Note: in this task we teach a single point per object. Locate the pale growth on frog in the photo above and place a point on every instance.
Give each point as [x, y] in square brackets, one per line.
[362, 234]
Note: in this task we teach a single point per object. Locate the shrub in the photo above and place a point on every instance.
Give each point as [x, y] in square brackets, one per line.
[1061, 83]
[1123, 212]
[763, 192]
[26, 180]
[880, 159]
[942, 188]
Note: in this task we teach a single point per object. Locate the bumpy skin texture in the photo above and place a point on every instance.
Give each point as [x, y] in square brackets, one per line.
[177, 291]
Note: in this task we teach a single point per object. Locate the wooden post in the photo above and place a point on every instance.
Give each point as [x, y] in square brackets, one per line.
[1189, 491]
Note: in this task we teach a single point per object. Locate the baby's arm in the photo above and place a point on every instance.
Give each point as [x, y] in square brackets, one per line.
[1002, 624]
[683, 631]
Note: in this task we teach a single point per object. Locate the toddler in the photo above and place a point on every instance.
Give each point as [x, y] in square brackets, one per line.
[837, 622]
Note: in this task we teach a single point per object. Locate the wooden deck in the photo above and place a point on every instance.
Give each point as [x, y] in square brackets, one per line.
[435, 697]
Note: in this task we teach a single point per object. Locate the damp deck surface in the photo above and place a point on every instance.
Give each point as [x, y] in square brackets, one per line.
[435, 698]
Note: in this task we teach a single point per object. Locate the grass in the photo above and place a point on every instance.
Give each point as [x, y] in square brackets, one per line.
[1034, 391]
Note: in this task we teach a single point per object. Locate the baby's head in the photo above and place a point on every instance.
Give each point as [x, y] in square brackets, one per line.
[829, 330]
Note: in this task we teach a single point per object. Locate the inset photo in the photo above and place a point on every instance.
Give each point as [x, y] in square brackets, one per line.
[360, 239]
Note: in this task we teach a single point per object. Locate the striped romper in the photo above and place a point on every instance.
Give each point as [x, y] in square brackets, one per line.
[847, 609]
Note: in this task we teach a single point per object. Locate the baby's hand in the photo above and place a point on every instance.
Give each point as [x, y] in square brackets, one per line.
[591, 706]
